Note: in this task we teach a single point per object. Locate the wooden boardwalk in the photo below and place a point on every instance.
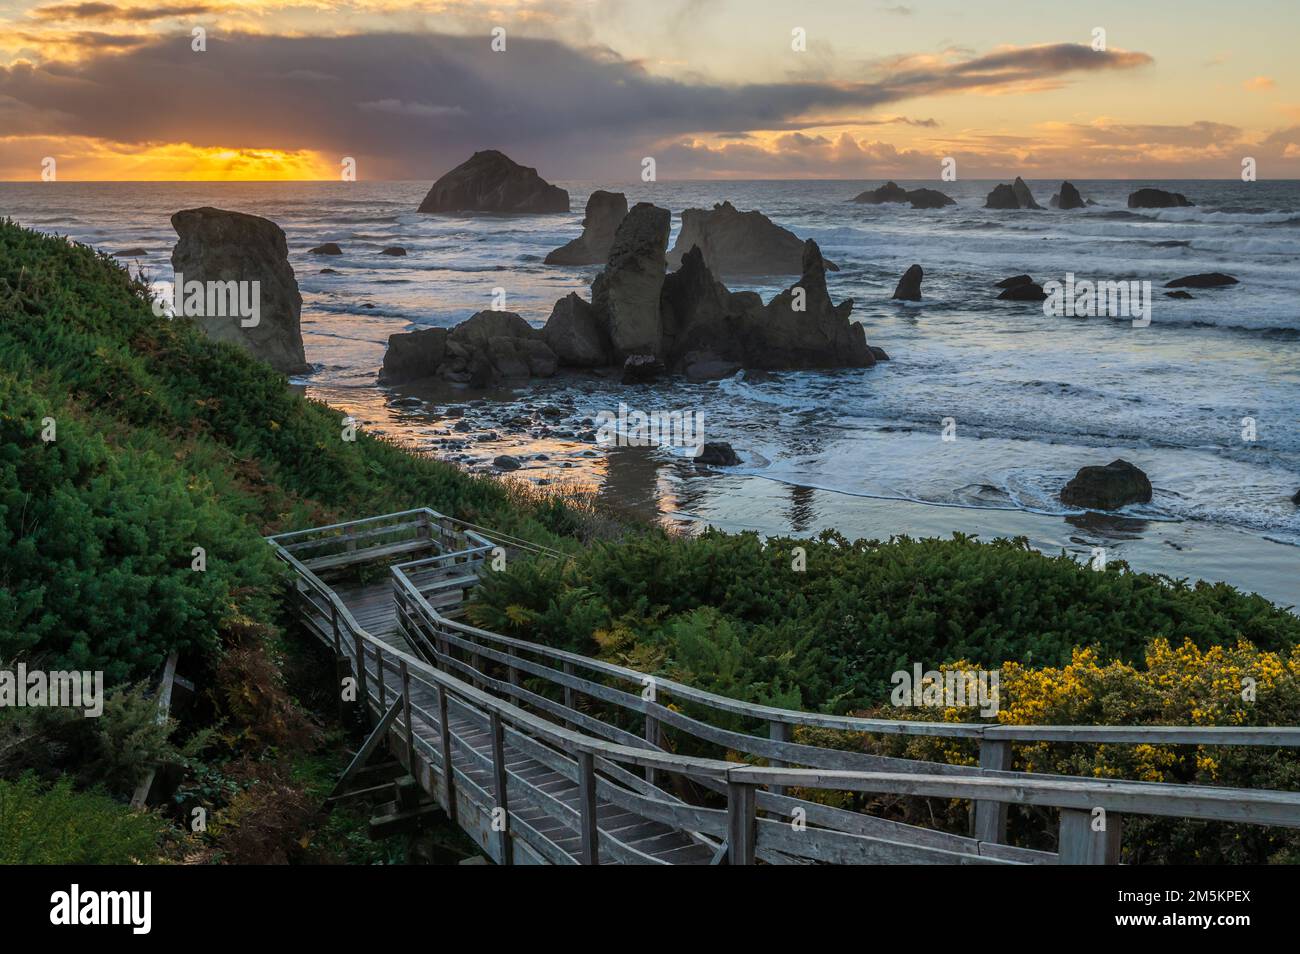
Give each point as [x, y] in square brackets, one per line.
[544, 756]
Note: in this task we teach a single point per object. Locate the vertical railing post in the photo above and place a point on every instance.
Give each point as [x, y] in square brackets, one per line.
[587, 809]
[363, 696]
[778, 732]
[570, 699]
[406, 715]
[742, 823]
[383, 683]
[499, 784]
[448, 768]
[1081, 844]
[991, 817]
[653, 735]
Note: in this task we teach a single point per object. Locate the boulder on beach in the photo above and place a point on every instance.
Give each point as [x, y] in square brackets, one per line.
[329, 248]
[414, 355]
[909, 286]
[482, 351]
[1068, 197]
[642, 368]
[605, 210]
[215, 245]
[625, 296]
[394, 250]
[738, 243]
[1156, 199]
[892, 192]
[1115, 485]
[490, 181]
[1014, 196]
[1202, 280]
[717, 454]
[575, 335]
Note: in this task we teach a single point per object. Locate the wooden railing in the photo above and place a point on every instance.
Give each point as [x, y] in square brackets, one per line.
[571, 714]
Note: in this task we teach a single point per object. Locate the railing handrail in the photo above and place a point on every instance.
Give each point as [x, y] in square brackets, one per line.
[1259, 806]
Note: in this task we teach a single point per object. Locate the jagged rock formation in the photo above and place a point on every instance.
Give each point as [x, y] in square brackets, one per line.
[605, 210]
[484, 350]
[1014, 196]
[1116, 485]
[215, 245]
[1157, 199]
[892, 192]
[909, 286]
[738, 243]
[490, 181]
[625, 296]
[575, 335]
[1068, 198]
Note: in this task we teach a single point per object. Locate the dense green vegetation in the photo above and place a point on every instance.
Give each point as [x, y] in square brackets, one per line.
[731, 614]
[163, 441]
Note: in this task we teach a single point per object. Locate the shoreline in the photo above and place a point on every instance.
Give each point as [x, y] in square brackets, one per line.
[675, 493]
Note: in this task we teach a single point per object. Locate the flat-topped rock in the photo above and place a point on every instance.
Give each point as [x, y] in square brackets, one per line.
[490, 181]
[1157, 199]
[1202, 280]
[738, 243]
[216, 245]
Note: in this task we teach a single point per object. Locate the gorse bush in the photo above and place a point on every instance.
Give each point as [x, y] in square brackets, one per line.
[728, 612]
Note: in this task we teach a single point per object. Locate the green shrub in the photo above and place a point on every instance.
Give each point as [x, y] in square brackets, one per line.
[60, 826]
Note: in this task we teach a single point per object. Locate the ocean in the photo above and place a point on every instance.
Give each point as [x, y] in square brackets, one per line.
[1031, 397]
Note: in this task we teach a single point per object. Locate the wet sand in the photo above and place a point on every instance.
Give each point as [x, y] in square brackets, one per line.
[557, 448]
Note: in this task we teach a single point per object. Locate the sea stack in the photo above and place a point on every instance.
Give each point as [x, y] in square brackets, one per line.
[1014, 196]
[909, 286]
[490, 181]
[218, 246]
[1157, 199]
[739, 243]
[605, 210]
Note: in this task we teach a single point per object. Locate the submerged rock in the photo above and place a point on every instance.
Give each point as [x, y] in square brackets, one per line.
[719, 454]
[893, 192]
[1157, 199]
[1203, 280]
[1116, 485]
[215, 245]
[738, 243]
[1025, 291]
[131, 253]
[909, 286]
[395, 250]
[605, 210]
[490, 181]
[1015, 280]
[329, 248]
[1179, 294]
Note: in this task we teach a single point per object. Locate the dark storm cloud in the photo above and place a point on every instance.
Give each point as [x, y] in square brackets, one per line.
[417, 104]
[110, 12]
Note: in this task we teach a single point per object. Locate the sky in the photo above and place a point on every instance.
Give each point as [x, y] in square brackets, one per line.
[586, 89]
